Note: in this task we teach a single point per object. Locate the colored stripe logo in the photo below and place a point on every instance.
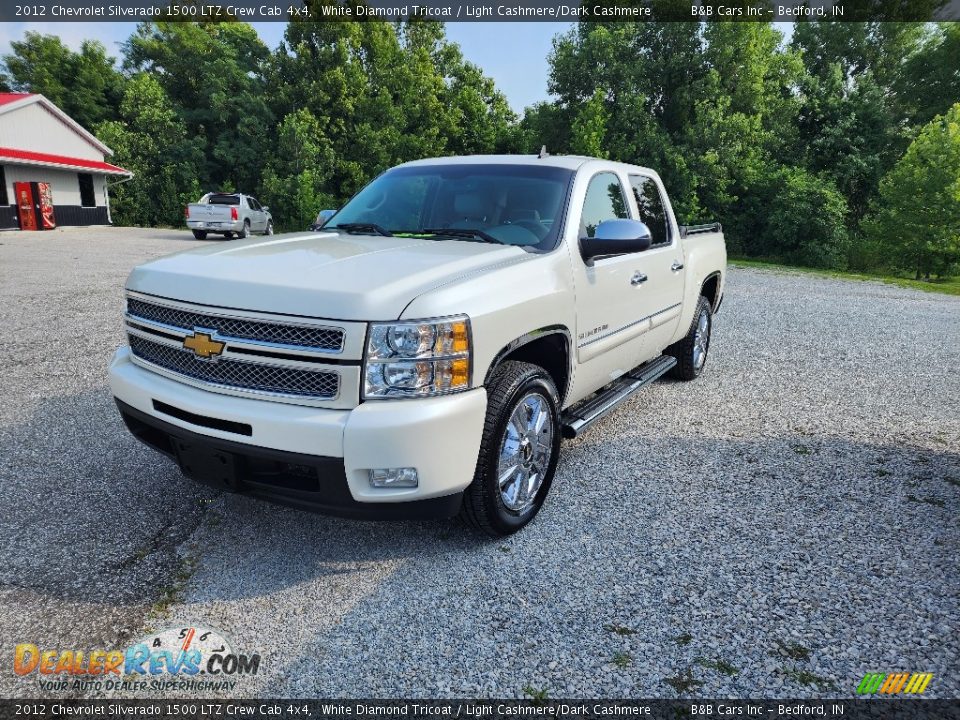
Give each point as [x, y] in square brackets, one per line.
[894, 683]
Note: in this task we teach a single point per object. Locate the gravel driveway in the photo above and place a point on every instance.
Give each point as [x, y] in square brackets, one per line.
[777, 528]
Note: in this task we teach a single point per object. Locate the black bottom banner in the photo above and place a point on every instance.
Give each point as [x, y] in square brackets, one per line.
[878, 708]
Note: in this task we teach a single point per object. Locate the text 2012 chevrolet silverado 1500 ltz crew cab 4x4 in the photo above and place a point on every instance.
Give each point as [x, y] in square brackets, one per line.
[423, 353]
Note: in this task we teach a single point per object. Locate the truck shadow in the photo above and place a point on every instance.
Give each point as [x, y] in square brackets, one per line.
[99, 514]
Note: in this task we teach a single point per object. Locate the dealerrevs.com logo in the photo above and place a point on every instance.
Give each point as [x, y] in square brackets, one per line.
[180, 658]
[894, 683]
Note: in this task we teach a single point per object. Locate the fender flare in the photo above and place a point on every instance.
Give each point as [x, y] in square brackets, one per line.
[526, 339]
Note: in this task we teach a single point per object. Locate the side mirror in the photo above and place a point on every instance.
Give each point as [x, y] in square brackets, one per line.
[265, 208]
[615, 237]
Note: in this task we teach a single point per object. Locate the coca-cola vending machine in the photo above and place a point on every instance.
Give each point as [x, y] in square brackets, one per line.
[35, 205]
[26, 208]
[45, 198]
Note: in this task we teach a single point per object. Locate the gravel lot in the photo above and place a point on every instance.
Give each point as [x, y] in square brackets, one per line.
[776, 529]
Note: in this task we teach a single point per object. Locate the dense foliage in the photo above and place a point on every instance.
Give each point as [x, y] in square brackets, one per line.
[837, 149]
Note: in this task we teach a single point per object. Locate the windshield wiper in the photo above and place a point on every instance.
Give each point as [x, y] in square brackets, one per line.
[462, 233]
[368, 228]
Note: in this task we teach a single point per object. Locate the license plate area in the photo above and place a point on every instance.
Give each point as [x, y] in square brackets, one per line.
[206, 465]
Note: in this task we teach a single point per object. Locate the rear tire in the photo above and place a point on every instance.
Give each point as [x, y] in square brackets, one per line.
[200, 234]
[246, 230]
[519, 450]
[691, 352]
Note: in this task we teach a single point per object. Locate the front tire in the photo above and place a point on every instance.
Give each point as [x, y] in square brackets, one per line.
[518, 451]
[269, 228]
[691, 352]
[200, 234]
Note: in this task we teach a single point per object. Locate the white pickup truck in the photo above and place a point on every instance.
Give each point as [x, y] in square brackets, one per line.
[423, 353]
[228, 214]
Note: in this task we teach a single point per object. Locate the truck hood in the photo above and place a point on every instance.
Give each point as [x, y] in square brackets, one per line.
[324, 275]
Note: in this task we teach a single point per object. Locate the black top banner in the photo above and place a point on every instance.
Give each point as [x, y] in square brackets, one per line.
[694, 709]
[480, 10]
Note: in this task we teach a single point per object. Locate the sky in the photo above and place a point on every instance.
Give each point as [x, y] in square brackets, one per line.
[513, 54]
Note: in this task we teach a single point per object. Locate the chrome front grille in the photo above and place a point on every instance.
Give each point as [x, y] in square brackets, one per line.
[325, 339]
[255, 376]
[241, 354]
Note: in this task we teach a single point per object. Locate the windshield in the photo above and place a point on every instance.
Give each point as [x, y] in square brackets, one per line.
[518, 205]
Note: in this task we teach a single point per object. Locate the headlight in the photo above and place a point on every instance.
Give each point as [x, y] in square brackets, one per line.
[418, 359]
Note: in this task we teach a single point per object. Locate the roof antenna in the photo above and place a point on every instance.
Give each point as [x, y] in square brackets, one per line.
[543, 152]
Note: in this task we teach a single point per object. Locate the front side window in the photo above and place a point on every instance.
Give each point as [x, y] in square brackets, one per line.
[509, 204]
[604, 201]
[653, 214]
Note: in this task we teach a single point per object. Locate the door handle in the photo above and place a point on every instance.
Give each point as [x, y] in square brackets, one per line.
[677, 266]
[638, 279]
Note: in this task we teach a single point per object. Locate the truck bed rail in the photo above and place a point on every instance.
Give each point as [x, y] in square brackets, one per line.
[687, 230]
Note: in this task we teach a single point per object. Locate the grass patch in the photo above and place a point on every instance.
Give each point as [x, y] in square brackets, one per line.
[801, 449]
[621, 659]
[795, 651]
[720, 665]
[536, 695]
[169, 594]
[683, 683]
[805, 677]
[683, 639]
[947, 286]
[619, 629]
[503, 549]
[927, 500]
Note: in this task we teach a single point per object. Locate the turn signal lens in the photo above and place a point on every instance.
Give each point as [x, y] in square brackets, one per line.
[460, 373]
[418, 359]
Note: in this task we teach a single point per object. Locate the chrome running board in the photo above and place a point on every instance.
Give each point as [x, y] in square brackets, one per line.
[575, 420]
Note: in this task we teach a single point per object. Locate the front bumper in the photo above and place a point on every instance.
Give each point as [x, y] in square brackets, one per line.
[320, 457]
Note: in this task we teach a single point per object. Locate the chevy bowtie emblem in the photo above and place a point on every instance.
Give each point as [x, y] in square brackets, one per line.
[203, 345]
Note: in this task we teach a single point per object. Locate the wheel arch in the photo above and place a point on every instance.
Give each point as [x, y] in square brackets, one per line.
[548, 347]
[710, 289]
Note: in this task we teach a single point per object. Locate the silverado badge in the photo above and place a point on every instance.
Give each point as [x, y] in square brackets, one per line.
[203, 345]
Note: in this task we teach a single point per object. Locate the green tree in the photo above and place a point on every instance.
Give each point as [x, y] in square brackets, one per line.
[297, 175]
[930, 81]
[590, 127]
[805, 224]
[916, 219]
[150, 140]
[851, 126]
[85, 84]
[384, 93]
[213, 74]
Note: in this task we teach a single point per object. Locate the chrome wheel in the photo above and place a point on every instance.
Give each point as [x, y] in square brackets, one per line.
[701, 340]
[525, 452]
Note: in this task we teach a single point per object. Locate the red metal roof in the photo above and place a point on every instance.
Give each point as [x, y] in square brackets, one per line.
[6, 98]
[26, 157]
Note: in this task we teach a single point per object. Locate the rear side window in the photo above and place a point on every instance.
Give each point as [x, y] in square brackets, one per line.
[604, 201]
[254, 205]
[650, 204]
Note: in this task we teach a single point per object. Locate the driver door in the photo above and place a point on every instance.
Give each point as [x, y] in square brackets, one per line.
[258, 220]
[613, 302]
